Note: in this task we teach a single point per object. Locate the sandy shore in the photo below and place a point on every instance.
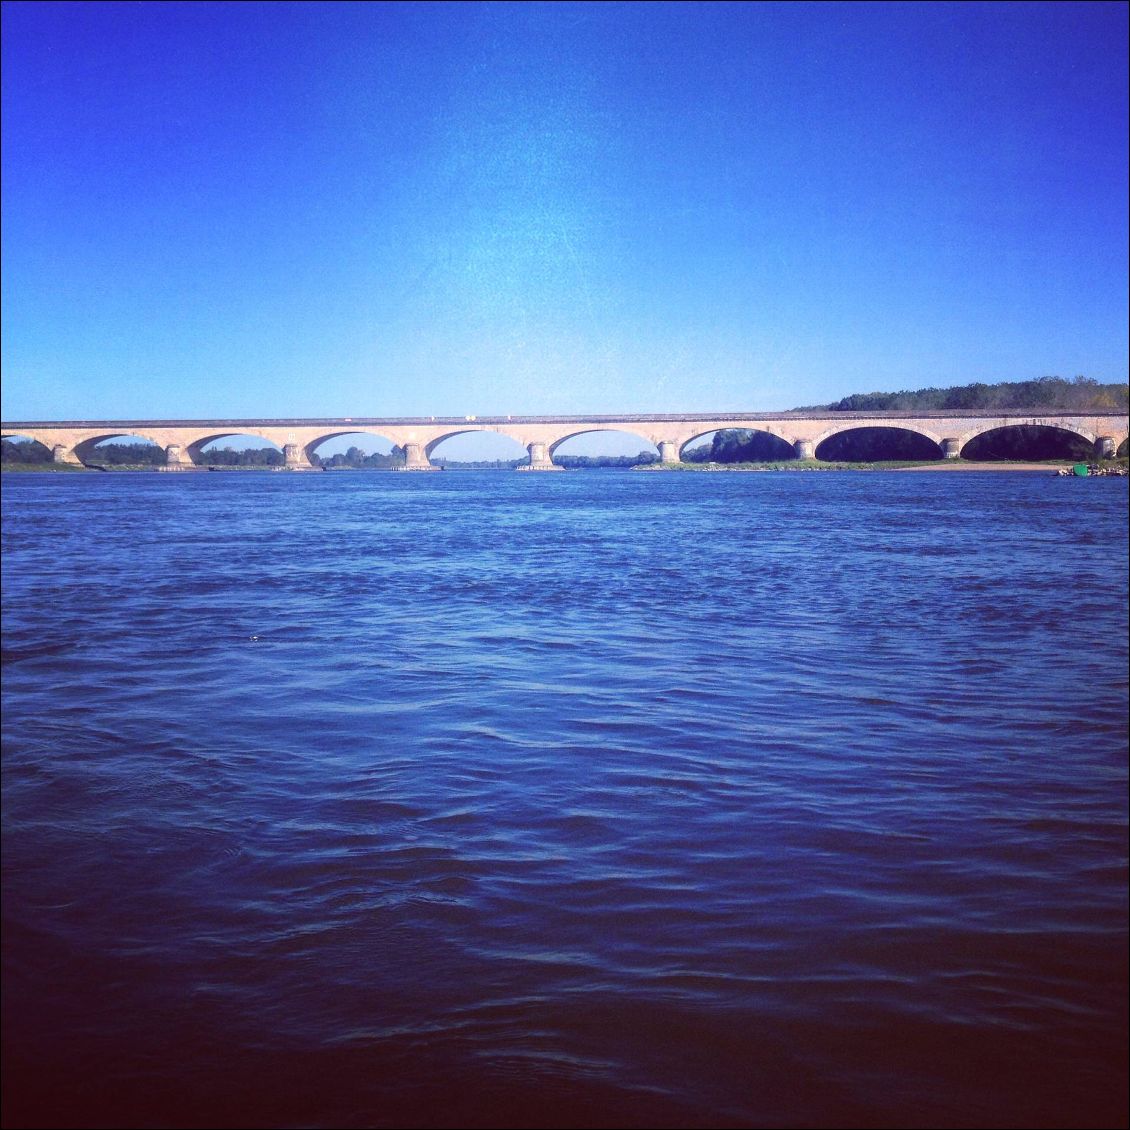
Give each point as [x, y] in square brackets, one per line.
[956, 465]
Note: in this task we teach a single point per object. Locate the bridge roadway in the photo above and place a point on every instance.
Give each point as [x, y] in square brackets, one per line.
[73, 441]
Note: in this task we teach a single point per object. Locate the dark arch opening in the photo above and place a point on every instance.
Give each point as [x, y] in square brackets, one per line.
[738, 445]
[356, 451]
[23, 451]
[1028, 441]
[1123, 449]
[877, 445]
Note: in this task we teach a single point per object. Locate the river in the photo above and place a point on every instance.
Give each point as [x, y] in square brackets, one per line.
[588, 799]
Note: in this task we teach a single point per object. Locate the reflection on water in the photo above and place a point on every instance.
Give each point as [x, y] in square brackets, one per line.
[573, 800]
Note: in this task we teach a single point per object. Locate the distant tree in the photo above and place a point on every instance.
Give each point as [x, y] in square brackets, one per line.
[594, 462]
[127, 455]
[356, 459]
[1079, 394]
[740, 445]
[247, 457]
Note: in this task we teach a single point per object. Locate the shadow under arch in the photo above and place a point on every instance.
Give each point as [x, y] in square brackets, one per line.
[738, 445]
[877, 445]
[1029, 441]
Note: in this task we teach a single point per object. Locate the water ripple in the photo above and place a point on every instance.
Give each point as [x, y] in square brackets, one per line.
[582, 800]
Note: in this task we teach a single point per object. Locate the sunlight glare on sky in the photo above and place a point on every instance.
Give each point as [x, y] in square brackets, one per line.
[323, 209]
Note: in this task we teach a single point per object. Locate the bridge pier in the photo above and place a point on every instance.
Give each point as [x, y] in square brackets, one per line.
[1105, 447]
[540, 459]
[804, 449]
[951, 448]
[416, 459]
[177, 459]
[295, 458]
[668, 451]
[60, 453]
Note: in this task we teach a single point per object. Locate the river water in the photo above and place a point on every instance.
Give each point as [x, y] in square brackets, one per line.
[589, 799]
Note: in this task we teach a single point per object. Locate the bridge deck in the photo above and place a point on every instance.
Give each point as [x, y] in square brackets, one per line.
[632, 418]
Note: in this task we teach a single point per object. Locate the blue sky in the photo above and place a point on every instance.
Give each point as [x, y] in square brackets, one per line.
[383, 209]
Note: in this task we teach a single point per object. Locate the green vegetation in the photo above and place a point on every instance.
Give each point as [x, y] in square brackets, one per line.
[355, 459]
[50, 468]
[589, 462]
[737, 445]
[127, 456]
[1079, 394]
[25, 453]
[252, 457]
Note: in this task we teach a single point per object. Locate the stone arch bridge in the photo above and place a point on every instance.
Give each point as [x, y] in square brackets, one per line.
[73, 441]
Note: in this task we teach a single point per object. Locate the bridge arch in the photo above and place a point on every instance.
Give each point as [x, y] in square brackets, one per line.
[432, 444]
[766, 429]
[194, 449]
[1059, 425]
[31, 449]
[483, 444]
[897, 426]
[85, 452]
[1030, 440]
[862, 442]
[553, 445]
[786, 446]
[310, 449]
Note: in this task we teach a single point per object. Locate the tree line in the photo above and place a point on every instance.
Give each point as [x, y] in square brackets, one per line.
[356, 459]
[1080, 394]
[23, 451]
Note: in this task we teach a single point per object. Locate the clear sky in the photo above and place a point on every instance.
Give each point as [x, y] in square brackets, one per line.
[243, 209]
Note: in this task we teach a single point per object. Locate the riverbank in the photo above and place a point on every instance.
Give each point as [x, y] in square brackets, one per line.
[820, 465]
[961, 465]
[23, 467]
[785, 465]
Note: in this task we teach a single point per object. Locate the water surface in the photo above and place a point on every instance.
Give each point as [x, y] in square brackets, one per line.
[590, 799]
